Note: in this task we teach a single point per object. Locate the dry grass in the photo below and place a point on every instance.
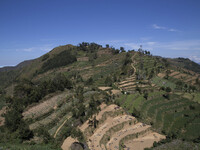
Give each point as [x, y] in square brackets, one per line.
[45, 106]
[174, 73]
[161, 75]
[180, 76]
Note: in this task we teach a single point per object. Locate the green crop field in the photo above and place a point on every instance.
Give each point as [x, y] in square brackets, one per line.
[176, 116]
[162, 82]
[172, 116]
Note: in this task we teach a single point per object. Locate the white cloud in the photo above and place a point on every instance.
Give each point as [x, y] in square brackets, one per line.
[195, 58]
[172, 30]
[146, 45]
[188, 48]
[174, 45]
[155, 26]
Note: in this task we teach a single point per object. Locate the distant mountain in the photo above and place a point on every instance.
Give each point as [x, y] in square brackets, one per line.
[19, 66]
[185, 63]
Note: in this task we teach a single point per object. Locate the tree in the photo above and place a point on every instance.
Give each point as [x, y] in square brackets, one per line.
[166, 95]
[197, 81]
[79, 90]
[14, 123]
[13, 119]
[167, 74]
[81, 110]
[136, 113]
[127, 60]
[122, 49]
[89, 81]
[107, 45]
[76, 133]
[179, 84]
[168, 89]
[44, 134]
[146, 95]
[59, 60]
[95, 121]
[138, 89]
[108, 81]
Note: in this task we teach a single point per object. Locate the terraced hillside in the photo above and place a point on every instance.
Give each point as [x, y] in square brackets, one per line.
[101, 98]
[55, 111]
[50, 113]
[113, 129]
[133, 83]
[175, 116]
[186, 76]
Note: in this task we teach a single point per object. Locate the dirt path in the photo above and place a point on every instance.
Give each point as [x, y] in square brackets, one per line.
[142, 142]
[114, 141]
[60, 128]
[132, 64]
[94, 140]
[130, 79]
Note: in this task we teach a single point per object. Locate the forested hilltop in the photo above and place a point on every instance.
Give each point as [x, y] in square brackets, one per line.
[69, 93]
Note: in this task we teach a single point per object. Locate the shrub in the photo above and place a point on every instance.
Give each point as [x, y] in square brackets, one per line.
[62, 59]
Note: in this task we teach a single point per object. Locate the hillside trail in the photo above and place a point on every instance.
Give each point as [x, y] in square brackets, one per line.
[60, 127]
[134, 72]
[132, 64]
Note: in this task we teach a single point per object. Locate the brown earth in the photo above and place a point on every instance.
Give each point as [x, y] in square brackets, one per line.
[161, 75]
[181, 75]
[105, 88]
[174, 73]
[45, 106]
[114, 141]
[116, 92]
[94, 140]
[68, 142]
[142, 142]
[104, 108]
[110, 122]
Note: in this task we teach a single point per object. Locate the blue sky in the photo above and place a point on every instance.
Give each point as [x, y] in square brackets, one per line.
[30, 28]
